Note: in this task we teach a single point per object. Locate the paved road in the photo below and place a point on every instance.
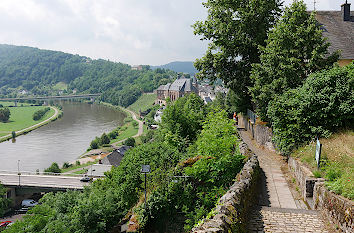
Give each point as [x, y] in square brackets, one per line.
[43, 181]
[34, 126]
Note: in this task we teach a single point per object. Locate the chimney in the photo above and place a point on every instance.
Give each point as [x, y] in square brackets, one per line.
[346, 11]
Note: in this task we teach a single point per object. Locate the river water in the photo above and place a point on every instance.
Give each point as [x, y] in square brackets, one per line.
[60, 141]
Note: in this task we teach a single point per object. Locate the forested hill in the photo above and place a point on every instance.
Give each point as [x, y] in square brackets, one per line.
[179, 66]
[45, 72]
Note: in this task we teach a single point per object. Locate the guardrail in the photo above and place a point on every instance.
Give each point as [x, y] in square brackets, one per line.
[39, 173]
[252, 116]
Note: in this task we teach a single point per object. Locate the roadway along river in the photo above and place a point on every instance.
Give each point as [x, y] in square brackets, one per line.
[62, 140]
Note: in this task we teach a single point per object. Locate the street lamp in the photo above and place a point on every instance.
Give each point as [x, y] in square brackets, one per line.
[18, 172]
[145, 169]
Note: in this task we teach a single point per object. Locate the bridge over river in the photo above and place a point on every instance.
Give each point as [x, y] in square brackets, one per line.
[59, 97]
[42, 182]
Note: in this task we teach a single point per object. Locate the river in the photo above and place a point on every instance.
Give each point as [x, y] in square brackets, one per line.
[63, 140]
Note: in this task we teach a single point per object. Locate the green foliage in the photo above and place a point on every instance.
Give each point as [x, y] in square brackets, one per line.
[182, 119]
[13, 133]
[43, 72]
[54, 168]
[295, 49]
[4, 114]
[105, 139]
[113, 134]
[129, 142]
[95, 143]
[235, 29]
[40, 113]
[4, 202]
[324, 104]
[67, 165]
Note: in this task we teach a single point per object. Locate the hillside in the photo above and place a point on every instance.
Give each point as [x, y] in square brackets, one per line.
[45, 72]
[179, 66]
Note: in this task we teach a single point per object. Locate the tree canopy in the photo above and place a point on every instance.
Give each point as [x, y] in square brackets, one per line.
[294, 49]
[235, 29]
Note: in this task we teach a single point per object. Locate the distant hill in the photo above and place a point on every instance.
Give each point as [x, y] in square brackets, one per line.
[179, 66]
[40, 72]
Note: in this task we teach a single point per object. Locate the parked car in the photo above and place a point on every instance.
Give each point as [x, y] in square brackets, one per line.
[86, 179]
[29, 203]
[3, 225]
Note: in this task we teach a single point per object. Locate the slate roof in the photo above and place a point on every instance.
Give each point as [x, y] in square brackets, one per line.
[183, 85]
[164, 87]
[115, 157]
[340, 33]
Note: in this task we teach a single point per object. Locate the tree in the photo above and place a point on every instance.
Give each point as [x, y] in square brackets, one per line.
[129, 142]
[295, 48]
[235, 28]
[4, 202]
[4, 114]
[324, 104]
[54, 168]
[105, 139]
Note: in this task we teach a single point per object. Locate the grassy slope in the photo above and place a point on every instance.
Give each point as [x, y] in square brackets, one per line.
[143, 103]
[337, 161]
[21, 117]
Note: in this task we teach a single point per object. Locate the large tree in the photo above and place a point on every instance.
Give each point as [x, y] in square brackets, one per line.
[295, 48]
[235, 29]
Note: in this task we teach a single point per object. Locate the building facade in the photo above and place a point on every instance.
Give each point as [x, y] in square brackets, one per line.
[179, 88]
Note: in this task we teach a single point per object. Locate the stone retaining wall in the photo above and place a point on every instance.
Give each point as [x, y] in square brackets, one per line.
[338, 209]
[232, 210]
[304, 178]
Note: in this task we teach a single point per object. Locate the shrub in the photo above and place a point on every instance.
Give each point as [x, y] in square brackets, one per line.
[105, 139]
[113, 134]
[129, 142]
[40, 113]
[324, 104]
[67, 165]
[95, 143]
[54, 168]
[4, 114]
[13, 134]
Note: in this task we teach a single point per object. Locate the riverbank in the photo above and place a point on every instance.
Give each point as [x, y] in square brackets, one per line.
[28, 129]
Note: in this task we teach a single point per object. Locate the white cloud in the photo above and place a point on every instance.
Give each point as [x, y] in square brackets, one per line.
[129, 31]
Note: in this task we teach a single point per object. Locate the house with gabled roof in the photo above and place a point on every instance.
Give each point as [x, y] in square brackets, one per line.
[338, 27]
[179, 88]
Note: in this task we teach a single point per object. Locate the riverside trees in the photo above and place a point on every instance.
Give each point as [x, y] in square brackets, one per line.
[4, 114]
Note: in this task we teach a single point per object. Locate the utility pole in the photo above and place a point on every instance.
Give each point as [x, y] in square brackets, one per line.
[145, 169]
[19, 174]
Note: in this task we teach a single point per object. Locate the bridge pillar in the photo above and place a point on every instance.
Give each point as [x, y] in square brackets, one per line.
[92, 99]
[15, 103]
[45, 103]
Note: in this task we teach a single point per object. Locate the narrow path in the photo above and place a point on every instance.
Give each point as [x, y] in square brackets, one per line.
[277, 210]
[34, 126]
[140, 130]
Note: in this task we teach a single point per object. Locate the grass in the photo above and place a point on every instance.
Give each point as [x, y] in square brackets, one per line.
[126, 131]
[66, 170]
[83, 171]
[21, 118]
[60, 86]
[6, 104]
[337, 162]
[145, 102]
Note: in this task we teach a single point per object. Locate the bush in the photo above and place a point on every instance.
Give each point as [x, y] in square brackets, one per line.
[324, 104]
[13, 134]
[40, 113]
[54, 168]
[113, 135]
[135, 124]
[4, 114]
[105, 139]
[67, 165]
[129, 142]
[95, 143]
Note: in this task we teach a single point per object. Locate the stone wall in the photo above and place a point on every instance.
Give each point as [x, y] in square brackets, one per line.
[304, 178]
[232, 210]
[338, 209]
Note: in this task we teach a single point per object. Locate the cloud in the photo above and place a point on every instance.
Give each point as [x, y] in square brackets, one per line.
[130, 31]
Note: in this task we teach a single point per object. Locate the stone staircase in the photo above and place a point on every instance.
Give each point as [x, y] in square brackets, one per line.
[271, 219]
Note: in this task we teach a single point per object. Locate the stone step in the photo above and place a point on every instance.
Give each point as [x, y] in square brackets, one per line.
[270, 219]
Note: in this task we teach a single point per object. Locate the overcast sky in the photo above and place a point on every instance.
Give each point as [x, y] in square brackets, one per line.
[130, 31]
